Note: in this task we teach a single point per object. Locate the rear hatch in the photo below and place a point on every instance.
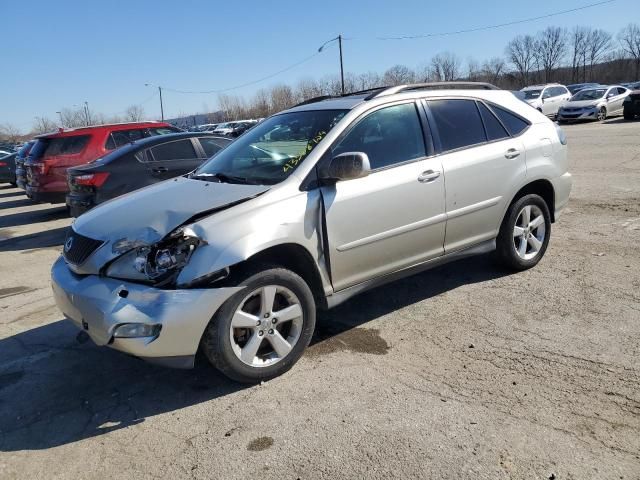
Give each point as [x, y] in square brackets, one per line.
[50, 158]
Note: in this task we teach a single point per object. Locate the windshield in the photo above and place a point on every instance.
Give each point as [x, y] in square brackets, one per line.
[593, 94]
[531, 94]
[269, 152]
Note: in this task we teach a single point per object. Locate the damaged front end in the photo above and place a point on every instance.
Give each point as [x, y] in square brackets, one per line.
[159, 263]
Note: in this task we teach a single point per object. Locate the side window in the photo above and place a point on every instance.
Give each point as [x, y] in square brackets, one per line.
[493, 127]
[514, 124]
[547, 93]
[621, 90]
[459, 123]
[121, 137]
[210, 147]
[179, 150]
[388, 136]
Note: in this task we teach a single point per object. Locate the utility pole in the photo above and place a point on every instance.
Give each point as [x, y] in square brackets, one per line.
[341, 65]
[86, 112]
[61, 121]
[159, 90]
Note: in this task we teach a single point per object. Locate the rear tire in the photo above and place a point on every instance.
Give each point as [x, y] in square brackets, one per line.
[524, 233]
[261, 331]
[628, 115]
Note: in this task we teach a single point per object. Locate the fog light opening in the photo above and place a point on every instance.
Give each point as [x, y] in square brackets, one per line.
[137, 330]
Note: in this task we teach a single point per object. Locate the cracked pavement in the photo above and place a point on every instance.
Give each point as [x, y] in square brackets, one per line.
[465, 371]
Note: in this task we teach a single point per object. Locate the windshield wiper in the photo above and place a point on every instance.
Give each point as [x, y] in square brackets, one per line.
[222, 178]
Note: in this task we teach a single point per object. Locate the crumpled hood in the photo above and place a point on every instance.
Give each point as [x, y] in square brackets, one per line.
[582, 103]
[151, 213]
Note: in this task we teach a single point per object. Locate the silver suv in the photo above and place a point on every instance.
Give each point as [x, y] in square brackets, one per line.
[307, 209]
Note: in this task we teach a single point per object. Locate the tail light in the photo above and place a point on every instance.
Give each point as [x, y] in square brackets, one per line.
[2, 164]
[39, 167]
[91, 179]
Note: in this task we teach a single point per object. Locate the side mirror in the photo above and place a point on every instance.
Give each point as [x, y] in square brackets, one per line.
[347, 166]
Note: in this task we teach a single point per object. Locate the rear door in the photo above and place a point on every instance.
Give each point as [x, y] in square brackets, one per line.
[482, 162]
[615, 98]
[174, 158]
[394, 217]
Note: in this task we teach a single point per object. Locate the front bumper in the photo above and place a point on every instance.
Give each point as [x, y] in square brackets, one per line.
[98, 305]
[578, 115]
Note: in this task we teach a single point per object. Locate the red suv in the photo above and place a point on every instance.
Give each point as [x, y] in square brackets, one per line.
[47, 163]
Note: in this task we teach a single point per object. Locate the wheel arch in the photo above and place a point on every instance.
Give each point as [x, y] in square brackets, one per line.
[294, 257]
[543, 188]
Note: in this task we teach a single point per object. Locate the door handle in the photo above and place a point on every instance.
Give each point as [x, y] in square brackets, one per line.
[512, 153]
[428, 176]
[160, 170]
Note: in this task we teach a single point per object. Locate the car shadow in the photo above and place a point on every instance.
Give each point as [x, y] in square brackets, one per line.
[49, 238]
[34, 216]
[15, 193]
[615, 121]
[55, 391]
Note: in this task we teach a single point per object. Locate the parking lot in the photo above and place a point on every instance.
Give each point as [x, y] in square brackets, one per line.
[465, 371]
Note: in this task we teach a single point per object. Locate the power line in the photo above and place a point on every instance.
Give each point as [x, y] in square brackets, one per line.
[498, 25]
[253, 82]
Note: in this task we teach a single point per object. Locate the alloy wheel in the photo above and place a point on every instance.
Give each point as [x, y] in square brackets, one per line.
[529, 232]
[602, 114]
[266, 326]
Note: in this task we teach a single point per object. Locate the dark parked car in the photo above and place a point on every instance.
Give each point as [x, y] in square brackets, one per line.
[21, 173]
[576, 87]
[8, 169]
[137, 165]
[631, 105]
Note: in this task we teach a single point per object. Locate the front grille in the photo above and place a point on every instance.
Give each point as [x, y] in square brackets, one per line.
[571, 115]
[77, 248]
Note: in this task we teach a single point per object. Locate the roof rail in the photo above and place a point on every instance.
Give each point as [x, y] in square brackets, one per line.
[314, 100]
[434, 86]
[348, 94]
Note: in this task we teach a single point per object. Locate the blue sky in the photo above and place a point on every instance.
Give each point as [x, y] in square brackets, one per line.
[59, 53]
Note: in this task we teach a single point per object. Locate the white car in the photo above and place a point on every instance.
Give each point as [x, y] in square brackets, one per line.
[547, 99]
[594, 104]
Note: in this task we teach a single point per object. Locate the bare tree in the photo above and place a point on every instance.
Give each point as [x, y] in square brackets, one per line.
[398, 75]
[551, 48]
[43, 125]
[368, 80]
[9, 133]
[521, 52]
[629, 38]
[135, 113]
[598, 43]
[474, 73]
[445, 67]
[493, 69]
[578, 43]
[282, 97]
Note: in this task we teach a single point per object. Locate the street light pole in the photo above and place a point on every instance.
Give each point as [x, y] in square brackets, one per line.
[339, 39]
[161, 106]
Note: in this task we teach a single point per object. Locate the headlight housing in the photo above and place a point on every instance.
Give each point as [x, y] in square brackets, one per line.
[158, 263]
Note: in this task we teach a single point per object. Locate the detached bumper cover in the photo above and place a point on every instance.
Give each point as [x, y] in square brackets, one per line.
[99, 304]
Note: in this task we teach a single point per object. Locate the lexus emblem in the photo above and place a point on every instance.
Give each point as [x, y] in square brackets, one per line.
[68, 244]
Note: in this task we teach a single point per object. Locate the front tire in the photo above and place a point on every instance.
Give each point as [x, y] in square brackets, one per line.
[602, 114]
[524, 233]
[261, 331]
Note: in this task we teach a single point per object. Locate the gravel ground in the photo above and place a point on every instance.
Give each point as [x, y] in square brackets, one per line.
[462, 372]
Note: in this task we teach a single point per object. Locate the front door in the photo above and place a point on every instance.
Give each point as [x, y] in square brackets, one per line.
[393, 218]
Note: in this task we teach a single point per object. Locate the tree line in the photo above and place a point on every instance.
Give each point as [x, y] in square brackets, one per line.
[555, 54]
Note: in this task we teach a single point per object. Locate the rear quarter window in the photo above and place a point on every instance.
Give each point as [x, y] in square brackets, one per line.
[510, 120]
[119, 138]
